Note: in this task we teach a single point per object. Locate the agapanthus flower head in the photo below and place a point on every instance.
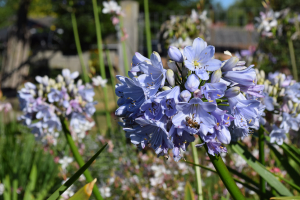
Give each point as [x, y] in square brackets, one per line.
[43, 106]
[165, 109]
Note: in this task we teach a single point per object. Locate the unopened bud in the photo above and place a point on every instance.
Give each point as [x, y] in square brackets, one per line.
[266, 84]
[172, 66]
[290, 105]
[165, 88]
[60, 78]
[198, 94]
[175, 54]
[282, 91]
[40, 93]
[275, 90]
[185, 95]
[216, 76]
[171, 77]
[270, 89]
[232, 92]
[262, 74]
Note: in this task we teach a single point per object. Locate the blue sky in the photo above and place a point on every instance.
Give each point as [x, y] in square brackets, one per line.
[225, 3]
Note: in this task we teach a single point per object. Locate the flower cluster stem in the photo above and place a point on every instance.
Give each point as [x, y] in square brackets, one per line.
[78, 157]
[78, 46]
[225, 176]
[101, 61]
[147, 28]
[125, 59]
[261, 143]
[293, 59]
[111, 70]
[198, 173]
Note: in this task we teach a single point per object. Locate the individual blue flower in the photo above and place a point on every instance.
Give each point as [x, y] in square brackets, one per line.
[87, 94]
[90, 108]
[181, 142]
[200, 58]
[150, 132]
[185, 96]
[244, 111]
[244, 78]
[213, 91]
[192, 83]
[37, 129]
[175, 54]
[152, 108]
[214, 147]
[232, 92]
[54, 96]
[136, 59]
[277, 135]
[288, 122]
[223, 122]
[169, 100]
[293, 92]
[194, 117]
[52, 123]
[268, 101]
[155, 71]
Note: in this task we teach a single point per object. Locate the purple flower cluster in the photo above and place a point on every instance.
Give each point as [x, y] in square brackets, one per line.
[44, 104]
[198, 95]
[281, 102]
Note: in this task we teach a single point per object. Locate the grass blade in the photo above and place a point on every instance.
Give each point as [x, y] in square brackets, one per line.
[67, 184]
[261, 170]
[188, 192]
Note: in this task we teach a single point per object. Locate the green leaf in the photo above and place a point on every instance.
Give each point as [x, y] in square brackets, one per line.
[261, 170]
[188, 192]
[85, 192]
[285, 198]
[31, 185]
[7, 188]
[67, 184]
[285, 163]
[290, 153]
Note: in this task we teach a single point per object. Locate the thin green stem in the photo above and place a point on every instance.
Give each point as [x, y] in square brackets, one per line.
[78, 46]
[78, 157]
[111, 71]
[261, 143]
[147, 28]
[225, 176]
[198, 173]
[125, 59]
[101, 61]
[293, 59]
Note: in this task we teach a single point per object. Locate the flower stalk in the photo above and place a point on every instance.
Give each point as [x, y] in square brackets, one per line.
[111, 70]
[78, 46]
[123, 39]
[147, 28]
[225, 176]
[293, 59]
[78, 157]
[198, 173]
[261, 143]
[101, 61]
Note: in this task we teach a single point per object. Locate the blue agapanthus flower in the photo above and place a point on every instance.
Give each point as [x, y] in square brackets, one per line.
[198, 96]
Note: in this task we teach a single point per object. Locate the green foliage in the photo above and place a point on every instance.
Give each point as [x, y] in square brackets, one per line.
[188, 192]
[25, 165]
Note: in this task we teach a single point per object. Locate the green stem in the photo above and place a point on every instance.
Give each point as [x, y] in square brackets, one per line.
[293, 59]
[78, 46]
[77, 156]
[101, 61]
[198, 173]
[147, 28]
[225, 176]
[261, 143]
[125, 59]
[111, 71]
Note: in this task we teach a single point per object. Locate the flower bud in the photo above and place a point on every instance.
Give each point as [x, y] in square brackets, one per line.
[266, 84]
[165, 88]
[282, 91]
[216, 76]
[262, 74]
[298, 108]
[275, 91]
[290, 105]
[60, 78]
[185, 71]
[232, 92]
[224, 135]
[40, 93]
[192, 83]
[172, 66]
[185, 95]
[198, 94]
[270, 89]
[175, 54]
[170, 77]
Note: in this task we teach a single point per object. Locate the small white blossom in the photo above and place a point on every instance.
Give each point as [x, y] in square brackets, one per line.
[111, 7]
[65, 161]
[99, 81]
